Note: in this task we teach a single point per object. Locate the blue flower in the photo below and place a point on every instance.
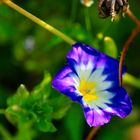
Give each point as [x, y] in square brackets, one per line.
[91, 78]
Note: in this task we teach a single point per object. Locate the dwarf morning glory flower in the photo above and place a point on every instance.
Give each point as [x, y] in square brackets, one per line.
[91, 78]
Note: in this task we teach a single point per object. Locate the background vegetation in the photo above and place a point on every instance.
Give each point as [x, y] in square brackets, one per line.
[30, 56]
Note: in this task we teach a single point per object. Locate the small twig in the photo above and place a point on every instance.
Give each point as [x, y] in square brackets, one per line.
[124, 51]
[128, 42]
[133, 17]
[92, 133]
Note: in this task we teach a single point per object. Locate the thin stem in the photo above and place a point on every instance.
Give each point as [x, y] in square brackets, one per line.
[133, 17]
[87, 19]
[92, 133]
[39, 22]
[128, 42]
[124, 51]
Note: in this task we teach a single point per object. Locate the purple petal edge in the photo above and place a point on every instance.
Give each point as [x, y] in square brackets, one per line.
[122, 107]
[64, 83]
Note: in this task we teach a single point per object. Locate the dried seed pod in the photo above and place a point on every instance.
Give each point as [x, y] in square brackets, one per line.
[111, 7]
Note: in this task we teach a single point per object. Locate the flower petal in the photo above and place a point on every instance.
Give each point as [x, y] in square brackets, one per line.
[82, 59]
[66, 82]
[81, 53]
[97, 117]
[121, 103]
[85, 59]
[100, 112]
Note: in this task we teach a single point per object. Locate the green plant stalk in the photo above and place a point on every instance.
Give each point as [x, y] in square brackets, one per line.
[87, 19]
[39, 22]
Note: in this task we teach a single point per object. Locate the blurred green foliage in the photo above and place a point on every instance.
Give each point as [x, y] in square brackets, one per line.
[33, 110]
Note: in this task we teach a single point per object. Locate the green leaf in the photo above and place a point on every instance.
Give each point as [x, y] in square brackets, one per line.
[25, 132]
[45, 126]
[60, 106]
[22, 91]
[16, 115]
[21, 95]
[110, 47]
[44, 87]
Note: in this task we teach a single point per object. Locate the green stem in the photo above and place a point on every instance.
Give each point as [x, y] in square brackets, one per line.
[87, 19]
[39, 22]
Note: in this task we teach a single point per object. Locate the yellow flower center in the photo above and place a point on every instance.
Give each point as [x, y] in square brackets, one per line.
[87, 89]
